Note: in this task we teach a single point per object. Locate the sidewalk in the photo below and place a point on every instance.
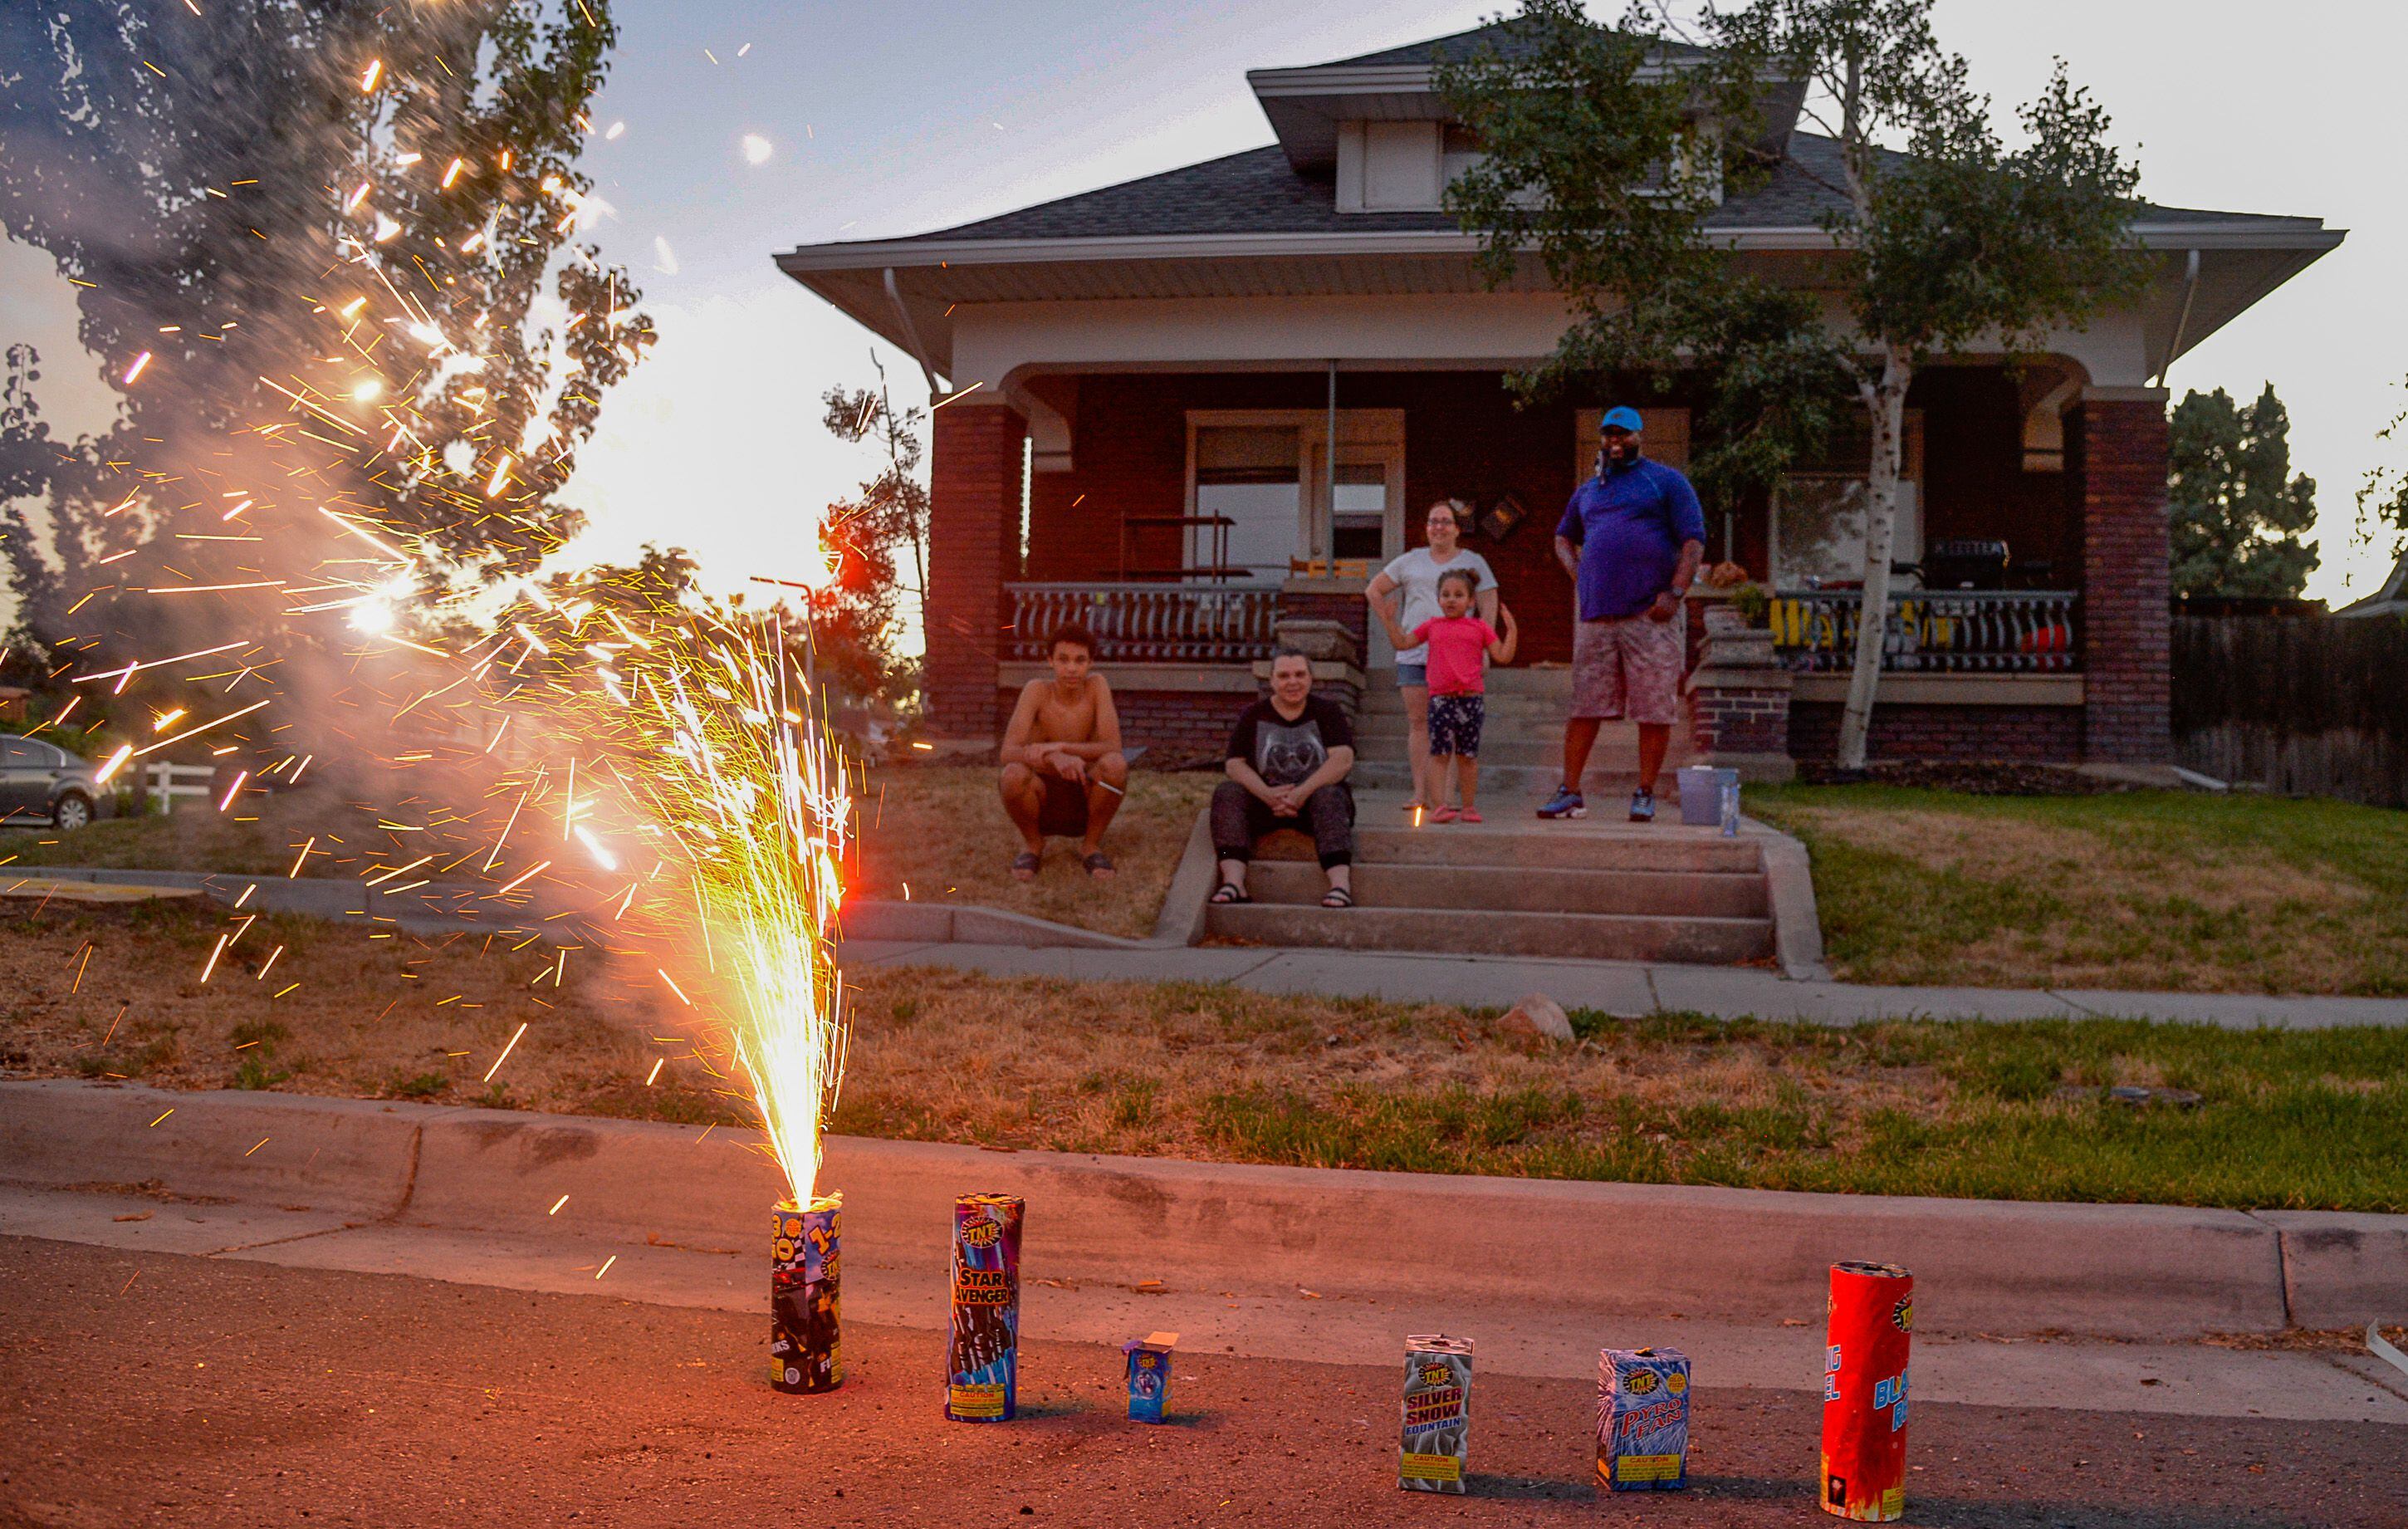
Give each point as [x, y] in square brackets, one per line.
[1617, 987]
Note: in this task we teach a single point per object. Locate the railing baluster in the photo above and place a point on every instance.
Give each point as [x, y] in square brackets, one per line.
[1949, 631]
[1146, 623]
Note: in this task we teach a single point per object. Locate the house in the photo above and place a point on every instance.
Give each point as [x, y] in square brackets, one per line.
[1196, 409]
[2389, 600]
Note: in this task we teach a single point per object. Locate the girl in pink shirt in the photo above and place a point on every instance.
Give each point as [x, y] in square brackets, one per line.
[1459, 644]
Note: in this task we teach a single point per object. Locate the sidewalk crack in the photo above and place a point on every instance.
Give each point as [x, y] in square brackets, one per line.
[279, 1242]
[2079, 1008]
[1654, 999]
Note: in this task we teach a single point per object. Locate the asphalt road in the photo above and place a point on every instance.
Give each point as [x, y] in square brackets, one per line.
[154, 1389]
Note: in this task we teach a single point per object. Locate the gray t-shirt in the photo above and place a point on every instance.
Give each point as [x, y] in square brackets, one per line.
[1415, 575]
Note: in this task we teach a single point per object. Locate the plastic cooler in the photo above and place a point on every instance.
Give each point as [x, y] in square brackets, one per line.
[1701, 794]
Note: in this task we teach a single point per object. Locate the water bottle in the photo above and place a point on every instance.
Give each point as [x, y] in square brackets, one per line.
[1731, 809]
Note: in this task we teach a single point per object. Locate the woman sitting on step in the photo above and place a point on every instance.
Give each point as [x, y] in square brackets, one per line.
[1287, 762]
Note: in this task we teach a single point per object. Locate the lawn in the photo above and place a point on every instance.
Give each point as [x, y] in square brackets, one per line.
[2137, 890]
[2307, 1119]
[939, 832]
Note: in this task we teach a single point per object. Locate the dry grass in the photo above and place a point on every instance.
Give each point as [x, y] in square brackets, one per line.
[939, 830]
[114, 990]
[2134, 891]
[2307, 1119]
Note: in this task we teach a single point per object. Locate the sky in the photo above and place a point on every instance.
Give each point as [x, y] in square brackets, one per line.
[885, 117]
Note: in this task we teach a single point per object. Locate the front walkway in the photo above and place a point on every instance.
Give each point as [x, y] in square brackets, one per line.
[1617, 987]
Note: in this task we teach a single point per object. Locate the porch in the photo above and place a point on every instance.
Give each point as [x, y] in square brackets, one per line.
[1193, 520]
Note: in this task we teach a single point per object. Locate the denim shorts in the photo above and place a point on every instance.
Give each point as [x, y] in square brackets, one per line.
[1409, 675]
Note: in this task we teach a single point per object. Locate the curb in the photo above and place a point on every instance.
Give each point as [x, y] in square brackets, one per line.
[1986, 1266]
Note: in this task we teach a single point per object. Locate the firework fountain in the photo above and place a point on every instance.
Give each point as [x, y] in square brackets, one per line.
[624, 753]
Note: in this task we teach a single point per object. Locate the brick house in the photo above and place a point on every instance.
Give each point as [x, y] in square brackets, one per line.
[1197, 409]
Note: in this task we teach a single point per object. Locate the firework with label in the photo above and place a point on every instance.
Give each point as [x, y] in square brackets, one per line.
[805, 1352]
[1864, 1391]
[1438, 1414]
[982, 1348]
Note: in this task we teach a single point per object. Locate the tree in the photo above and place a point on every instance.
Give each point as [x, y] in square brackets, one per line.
[317, 240]
[2383, 498]
[1957, 243]
[2238, 510]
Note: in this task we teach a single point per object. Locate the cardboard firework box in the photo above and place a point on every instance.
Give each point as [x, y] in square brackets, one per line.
[805, 1350]
[1864, 1391]
[983, 1348]
[1438, 1414]
[1642, 1419]
[1149, 1374]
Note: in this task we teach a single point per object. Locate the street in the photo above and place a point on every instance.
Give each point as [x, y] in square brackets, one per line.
[157, 1388]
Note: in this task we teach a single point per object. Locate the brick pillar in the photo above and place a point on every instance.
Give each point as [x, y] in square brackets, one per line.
[974, 492]
[2116, 445]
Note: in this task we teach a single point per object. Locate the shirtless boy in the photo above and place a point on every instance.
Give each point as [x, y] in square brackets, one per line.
[1063, 770]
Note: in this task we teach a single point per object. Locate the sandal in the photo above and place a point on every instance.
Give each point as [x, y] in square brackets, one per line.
[1445, 815]
[1229, 892]
[1099, 865]
[1470, 816]
[1338, 896]
[1024, 866]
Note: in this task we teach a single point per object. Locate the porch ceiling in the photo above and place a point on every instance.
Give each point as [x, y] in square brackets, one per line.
[2240, 262]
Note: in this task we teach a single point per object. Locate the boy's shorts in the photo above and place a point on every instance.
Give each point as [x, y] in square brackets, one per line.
[1455, 724]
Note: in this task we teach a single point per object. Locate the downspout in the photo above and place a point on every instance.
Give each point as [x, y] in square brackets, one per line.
[920, 352]
[2182, 320]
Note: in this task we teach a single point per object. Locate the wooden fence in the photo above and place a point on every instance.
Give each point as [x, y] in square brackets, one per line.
[2304, 705]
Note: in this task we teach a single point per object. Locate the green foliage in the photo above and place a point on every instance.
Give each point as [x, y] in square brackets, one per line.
[187, 172]
[423, 1086]
[1603, 154]
[2383, 498]
[2238, 510]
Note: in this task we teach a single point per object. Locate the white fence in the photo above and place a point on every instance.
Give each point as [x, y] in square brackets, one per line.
[164, 782]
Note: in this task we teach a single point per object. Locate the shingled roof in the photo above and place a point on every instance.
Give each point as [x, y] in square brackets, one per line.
[1259, 192]
[1508, 40]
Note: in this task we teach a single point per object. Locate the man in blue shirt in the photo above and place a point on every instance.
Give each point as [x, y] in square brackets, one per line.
[1631, 539]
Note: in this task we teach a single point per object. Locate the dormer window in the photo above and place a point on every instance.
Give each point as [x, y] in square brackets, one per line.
[1389, 166]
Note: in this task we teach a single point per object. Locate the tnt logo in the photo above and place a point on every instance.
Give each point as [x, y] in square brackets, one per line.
[980, 1235]
[1642, 1382]
[1436, 1374]
[1901, 1315]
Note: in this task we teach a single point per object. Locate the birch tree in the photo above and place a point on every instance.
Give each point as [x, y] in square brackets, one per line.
[1945, 240]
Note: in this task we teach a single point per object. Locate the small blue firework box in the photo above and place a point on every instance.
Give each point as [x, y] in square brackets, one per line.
[1149, 1374]
[1642, 1419]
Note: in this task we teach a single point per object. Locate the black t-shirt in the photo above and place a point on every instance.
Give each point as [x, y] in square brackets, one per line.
[1283, 753]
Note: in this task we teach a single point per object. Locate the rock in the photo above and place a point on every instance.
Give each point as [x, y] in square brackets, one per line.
[1535, 1017]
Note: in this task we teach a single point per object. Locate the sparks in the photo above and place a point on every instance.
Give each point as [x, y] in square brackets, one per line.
[506, 1053]
[135, 370]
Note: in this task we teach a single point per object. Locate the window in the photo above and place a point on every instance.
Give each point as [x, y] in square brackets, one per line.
[1818, 530]
[1249, 502]
[1358, 520]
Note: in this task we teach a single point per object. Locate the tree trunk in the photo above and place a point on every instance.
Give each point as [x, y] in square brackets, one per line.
[1887, 402]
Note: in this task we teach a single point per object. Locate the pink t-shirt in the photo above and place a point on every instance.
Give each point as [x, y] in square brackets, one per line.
[1459, 645]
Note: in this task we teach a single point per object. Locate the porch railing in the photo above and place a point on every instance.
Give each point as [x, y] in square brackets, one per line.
[1148, 623]
[2005, 632]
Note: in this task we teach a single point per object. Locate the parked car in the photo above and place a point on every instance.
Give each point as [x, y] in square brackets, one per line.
[41, 781]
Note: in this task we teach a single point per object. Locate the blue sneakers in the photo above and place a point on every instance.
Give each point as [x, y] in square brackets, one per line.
[1643, 807]
[1566, 802]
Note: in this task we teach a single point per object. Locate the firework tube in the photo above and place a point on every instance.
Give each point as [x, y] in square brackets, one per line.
[1438, 1414]
[805, 1350]
[983, 1350]
[1864, 1391]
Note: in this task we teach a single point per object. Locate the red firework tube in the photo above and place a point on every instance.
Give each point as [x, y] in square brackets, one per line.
[1864, 1391]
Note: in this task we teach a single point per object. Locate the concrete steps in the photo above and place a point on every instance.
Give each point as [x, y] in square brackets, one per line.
[1625, 937]
[1600, 888]
[1710, 894]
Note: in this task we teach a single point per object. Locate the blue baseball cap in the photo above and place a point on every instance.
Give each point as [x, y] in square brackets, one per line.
[1620, 417]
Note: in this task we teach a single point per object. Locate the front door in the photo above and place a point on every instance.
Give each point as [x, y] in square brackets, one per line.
[1365, 525]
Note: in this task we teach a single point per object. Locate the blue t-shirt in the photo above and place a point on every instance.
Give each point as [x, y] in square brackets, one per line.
[1629, 523]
